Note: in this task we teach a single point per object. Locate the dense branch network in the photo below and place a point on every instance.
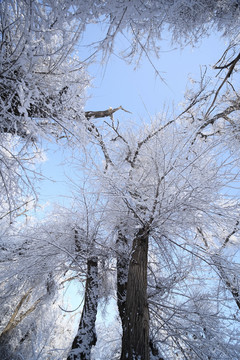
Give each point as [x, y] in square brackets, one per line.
[151, 192]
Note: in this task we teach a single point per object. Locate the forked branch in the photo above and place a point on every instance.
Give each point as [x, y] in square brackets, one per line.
[230, 66]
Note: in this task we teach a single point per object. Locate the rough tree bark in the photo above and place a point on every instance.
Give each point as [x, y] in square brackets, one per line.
[86, 335]
[135, 339]
[122, 276]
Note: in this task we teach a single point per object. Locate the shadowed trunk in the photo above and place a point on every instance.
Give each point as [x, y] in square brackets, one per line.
[86, 335]
[122, 274]
[135, 339]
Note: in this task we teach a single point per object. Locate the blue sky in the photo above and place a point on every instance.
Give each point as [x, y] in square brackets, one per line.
[139, 91]
[118, 83]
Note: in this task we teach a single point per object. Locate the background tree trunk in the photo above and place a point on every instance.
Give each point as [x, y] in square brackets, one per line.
[135, 340]
[86, 335]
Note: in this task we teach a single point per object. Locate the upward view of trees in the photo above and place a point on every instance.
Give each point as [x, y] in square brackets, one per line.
[154, 224]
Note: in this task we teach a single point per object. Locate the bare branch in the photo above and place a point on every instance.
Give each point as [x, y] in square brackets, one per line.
[222, 115]
[232, 64]
[103, 113]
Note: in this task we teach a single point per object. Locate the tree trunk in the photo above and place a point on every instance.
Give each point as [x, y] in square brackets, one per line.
[86, 335]
[135, 339]
[122, 274]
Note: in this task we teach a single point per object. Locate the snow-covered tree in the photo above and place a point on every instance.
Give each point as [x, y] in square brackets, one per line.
[165, 217]
[160, 185]
[42, 80]
[161, 202]
[42, 72]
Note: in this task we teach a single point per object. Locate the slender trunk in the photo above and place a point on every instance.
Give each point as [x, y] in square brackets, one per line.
[135, 339]
[86, 335]
[122, 274]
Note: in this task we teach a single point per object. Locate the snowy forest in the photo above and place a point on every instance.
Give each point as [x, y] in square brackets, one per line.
[152, 231]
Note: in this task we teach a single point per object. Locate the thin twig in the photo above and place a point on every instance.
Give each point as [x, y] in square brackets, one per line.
[232, 65]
